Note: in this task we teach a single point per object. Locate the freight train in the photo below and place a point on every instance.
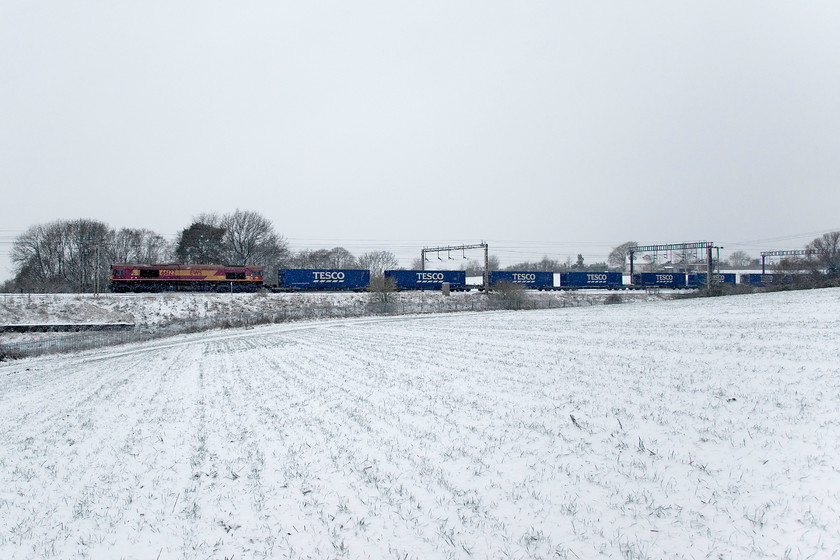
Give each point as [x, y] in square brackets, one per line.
[212, 278]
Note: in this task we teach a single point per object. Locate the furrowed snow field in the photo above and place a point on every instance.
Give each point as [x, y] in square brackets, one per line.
[704, 428]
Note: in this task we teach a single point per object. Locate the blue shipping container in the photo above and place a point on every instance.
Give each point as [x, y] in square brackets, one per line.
[535, 280]
[428, 279]
[605, 280]
[766, 279]
[699, 279]
[323, 279]
[660, 279]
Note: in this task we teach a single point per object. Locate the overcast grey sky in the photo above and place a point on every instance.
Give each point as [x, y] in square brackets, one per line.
[550, 127]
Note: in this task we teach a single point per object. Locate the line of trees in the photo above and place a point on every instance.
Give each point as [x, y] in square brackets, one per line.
[740, 259]
[240, 238]
[824, 257]
[339, 257]
[76, 255]
[546, 264]
[827, 250]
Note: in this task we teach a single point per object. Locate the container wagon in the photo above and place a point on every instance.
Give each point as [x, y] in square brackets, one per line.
[428, 279]
[698, 280]
[536, 280]
[589, 280]
[659, 280]
[760, 280]
[322, 279]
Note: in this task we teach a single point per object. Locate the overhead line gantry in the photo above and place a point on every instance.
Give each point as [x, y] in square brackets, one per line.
[707, 245]
[787, 253]
[449, 249]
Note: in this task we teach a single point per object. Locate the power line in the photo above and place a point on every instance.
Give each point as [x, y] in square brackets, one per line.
[783, 238]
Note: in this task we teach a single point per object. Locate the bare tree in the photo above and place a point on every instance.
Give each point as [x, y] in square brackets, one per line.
[618, 256]
[240, 238]
[249, 238]
[828, 251]
[381, 288]
[337, 257]
[88, 241]
[300, 259]
[475, 267]
[210, 219]
[598, 267]
[342, 258]
[137, 246]
[791, 264]
[546, 264]
[378, 262]
[688, 259]
[307, 258]
[63, 256]
[739, 259]
[75, 255]
[38, 255]
[123, 247]
[513, 296]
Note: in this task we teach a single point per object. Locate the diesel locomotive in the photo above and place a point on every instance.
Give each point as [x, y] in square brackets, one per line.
[185, 278]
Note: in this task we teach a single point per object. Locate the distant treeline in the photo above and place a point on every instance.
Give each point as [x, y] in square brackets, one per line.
[76, 255]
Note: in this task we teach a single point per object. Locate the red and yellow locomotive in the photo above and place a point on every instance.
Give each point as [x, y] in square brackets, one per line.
[185, 278]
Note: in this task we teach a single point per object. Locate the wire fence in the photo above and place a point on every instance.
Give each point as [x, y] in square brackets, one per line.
[74, 342]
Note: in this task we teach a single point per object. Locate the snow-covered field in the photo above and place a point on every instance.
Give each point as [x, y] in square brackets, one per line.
[705, 428]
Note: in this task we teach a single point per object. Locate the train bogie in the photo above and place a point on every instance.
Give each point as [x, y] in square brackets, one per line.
[308, 279]
[536, 280]
[428, 279]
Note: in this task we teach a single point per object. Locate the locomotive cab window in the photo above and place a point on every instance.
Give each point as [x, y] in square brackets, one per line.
[235, 276]
[149, 273]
